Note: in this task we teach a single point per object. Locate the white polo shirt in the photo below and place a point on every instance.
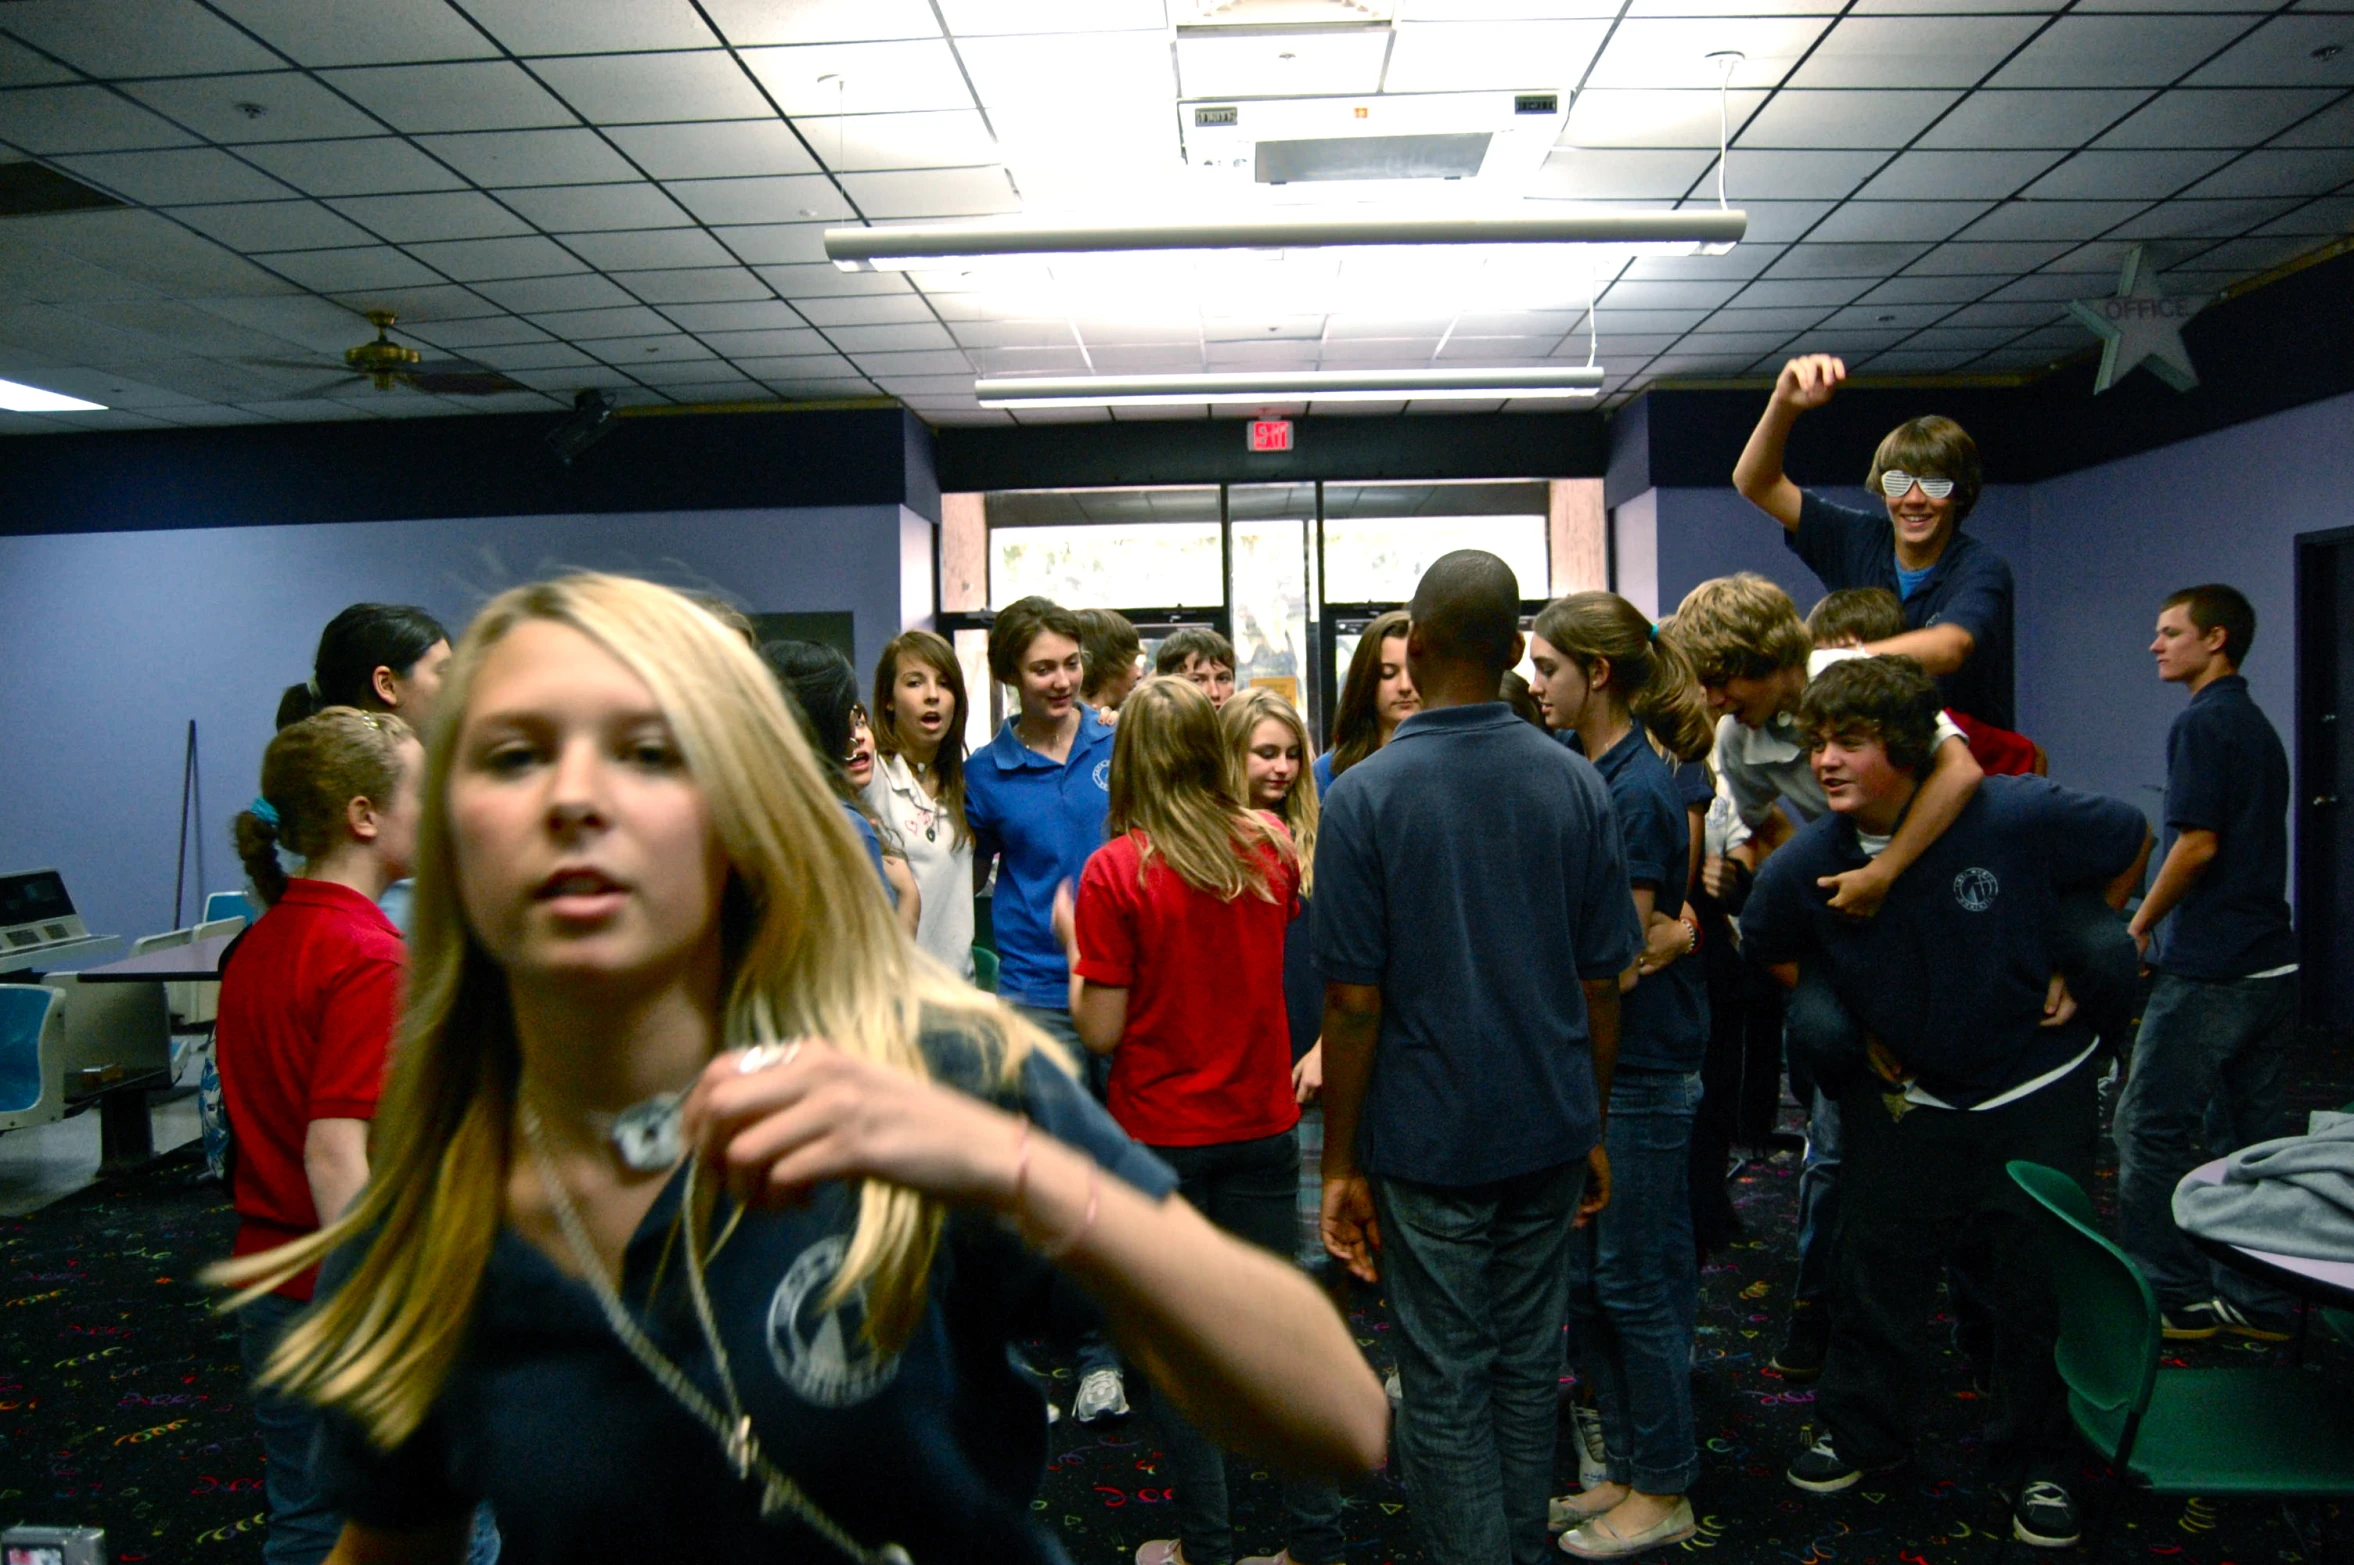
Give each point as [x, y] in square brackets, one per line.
[918, 826]
[1758, 767]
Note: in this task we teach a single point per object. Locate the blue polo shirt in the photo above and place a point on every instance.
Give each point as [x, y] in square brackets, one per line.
[1040, 819]
[1969, 586]
[1951, 973]
[583, 1456]
[2227, 773]
[873, 841]
[1663, 1020]
[1323, 771]
[1472, 869]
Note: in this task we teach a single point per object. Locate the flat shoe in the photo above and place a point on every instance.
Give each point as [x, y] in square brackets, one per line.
[1598, 1540]
[1563, 1512]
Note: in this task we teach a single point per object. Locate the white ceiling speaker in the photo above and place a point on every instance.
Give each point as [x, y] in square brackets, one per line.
[1264, 386]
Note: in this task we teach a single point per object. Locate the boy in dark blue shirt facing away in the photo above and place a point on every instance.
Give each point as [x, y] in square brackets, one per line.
[2212, 1053]
[1969, 1067]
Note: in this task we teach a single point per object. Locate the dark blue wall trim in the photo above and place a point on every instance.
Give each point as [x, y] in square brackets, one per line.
[449, 467]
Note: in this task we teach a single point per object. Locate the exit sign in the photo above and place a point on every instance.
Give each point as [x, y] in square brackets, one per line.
[1270, 434]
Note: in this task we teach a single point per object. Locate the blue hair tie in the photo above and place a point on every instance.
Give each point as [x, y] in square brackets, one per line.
[262, 810]
[1654, 636]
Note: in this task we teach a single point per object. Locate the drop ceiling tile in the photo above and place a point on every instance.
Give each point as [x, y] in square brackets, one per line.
[532, 157]
[1783, 318]
[800, 367]
[150, 248]
[1895, 220]
[937, 385]
[339, 271]
[804, 282]
[2283, 172]
[634, 89]
[21, 67]
[273, 225]
[1975, 339]
[732, 389]
[2111, 175]
[772, 243]
[1913, 361]
[2042, 118]
[1456, 56]
[2118, 51]
[937, 361]
[481, 95]
[531, 356]
[868, 142]
[465, 337]
[771, 342]
[979, 18]
[1823, 291]
[1776, 222]
[2066, 337]
[1928, 289]
[1745, 345]
[1620, 173]
[2077, 220]
[1021, 334]
[589, 208]
[647, 249]
[352, 168]
[2047, 285]
[1611, 117]
[2018, 359]
[693, 285]
[2104, 256]
[593, 328]
[1798, 175]
[1147, 359]
[2247, 257]
[719, 149]
[1855, 344]
[1347, 350]
[1928, 175]
[46, 121]
[485, 260]
[1243, 63]
[905, 336]
[820, 390]
[535, 294]
[1845, 118]
[2281, 54]
[434, 302]
[2015, 315]
[2331, 215]
[154, 38]
[877, 78]
[1672, 52]
[37, 274]
[454, 214]
[362, 32]
[886, 309]
[773, 199]
[1666, 296]
[1746, 259]
[531, 27]
[1913, 51]
[565, 382]
[1871, 317]
[938, 192]
[739, 315]
[1988, 258]
[2216, 117]
[2332, 127]
[193, 174]
[1621, 346]
[821, 21]
[637, 353]
[1698, 366]
[1846, 260]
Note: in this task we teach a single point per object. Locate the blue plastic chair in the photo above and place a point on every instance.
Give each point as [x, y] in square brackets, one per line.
[229, 904]
[26, 1017]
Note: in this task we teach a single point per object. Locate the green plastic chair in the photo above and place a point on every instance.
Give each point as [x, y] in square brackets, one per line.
[985, 969]
[2276, 1431]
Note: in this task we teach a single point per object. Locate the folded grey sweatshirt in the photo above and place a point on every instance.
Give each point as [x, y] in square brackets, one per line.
[2292, 1197]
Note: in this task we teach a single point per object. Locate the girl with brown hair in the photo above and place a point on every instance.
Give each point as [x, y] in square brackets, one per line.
[1377, 696]
[917, 791]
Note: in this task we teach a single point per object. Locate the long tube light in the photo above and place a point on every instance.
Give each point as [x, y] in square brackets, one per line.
[16, 397]
[1262, 386]
[907, 246]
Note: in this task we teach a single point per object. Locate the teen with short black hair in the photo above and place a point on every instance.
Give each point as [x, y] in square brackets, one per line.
[1377, 696]
[1109, 654]
[917, 791]
[1925, 477]
[2210, 1062]
[308, 1004]
[1966, 1067]
[1201, 656]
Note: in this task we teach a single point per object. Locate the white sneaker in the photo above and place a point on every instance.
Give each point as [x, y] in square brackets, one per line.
[1394, 1389]
[1101, 1394]
[1593, 1460]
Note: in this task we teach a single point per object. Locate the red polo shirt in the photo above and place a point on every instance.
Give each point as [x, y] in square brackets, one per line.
[1206, 1057]
[307, 1010]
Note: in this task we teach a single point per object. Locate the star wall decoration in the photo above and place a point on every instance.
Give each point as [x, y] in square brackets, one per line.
[2140, 326]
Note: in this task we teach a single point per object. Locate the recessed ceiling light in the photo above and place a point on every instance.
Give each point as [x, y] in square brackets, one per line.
[1264, 386]
[17, 398]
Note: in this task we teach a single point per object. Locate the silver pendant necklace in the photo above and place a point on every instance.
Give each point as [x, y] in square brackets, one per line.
[733, 1427]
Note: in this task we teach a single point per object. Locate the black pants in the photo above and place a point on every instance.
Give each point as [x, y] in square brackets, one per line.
[1913, 1183]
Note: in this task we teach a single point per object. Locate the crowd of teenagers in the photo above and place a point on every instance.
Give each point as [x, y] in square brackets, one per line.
[637, 1157]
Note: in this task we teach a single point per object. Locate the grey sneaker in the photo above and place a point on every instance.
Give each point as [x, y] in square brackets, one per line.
[1102, 1394]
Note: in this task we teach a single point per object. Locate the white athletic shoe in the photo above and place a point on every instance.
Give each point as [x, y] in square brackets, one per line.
[1102, 1394]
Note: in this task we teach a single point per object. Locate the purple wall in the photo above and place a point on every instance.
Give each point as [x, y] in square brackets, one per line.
[111, 642]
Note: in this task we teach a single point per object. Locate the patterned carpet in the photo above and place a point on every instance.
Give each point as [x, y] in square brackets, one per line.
[122, 1406]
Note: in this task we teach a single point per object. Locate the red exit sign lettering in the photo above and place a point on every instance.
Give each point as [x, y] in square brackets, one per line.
[1270, 434]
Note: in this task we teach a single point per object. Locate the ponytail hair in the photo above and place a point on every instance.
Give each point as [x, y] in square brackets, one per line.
[356, 643]
[1646, 669]
[311, 772]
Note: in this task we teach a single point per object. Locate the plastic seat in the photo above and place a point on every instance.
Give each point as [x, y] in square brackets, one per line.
[32, 1060]
[985, 969]
[197, 1002]
[229, 904]
[2258, 1431]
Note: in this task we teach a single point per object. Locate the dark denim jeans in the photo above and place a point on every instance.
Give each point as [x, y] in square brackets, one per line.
[1478, 1280]
[1092, 1348]
[302, 1528]
[2210, 1064]
[1248, 1188]
[1634, 1285]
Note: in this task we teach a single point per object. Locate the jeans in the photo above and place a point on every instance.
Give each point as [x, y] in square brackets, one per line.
[2211, 1063]
[1917, 1179]
[302, 1527]
[1093, 1347]
[1478, 1280]
[1248, 1188]
[1634, 1286]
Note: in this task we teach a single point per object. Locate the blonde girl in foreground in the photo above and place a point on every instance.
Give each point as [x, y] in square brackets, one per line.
[704, 1209]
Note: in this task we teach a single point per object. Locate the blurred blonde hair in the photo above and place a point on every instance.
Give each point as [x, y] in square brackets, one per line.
[1302, 808]
[1173, 780]
[810, 948]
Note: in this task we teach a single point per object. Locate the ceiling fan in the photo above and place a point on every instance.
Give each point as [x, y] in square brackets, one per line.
[389, 364]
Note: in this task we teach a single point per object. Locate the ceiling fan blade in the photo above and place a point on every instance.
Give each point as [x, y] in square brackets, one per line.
[324, 388]
[450, 378]
[314, 366]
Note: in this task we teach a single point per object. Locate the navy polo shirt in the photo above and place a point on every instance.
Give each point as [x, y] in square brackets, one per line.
[1041, 819]
[1951, 973]
[1663, 1020]
[1969, 586]
[2227, 773]
[584, 1457]
[1472, 869]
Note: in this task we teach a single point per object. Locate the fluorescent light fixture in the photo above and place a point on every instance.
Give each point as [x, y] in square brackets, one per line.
[32, 399]
[907, 247]
[1095, 391]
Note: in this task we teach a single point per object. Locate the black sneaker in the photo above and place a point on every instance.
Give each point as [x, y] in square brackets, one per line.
[1800, 1357]
[2197, 1322]
[2044, 1516]
[1820, 1469]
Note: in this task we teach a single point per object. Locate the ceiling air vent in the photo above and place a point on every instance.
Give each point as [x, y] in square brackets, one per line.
[30, 189]
[1456, 156]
